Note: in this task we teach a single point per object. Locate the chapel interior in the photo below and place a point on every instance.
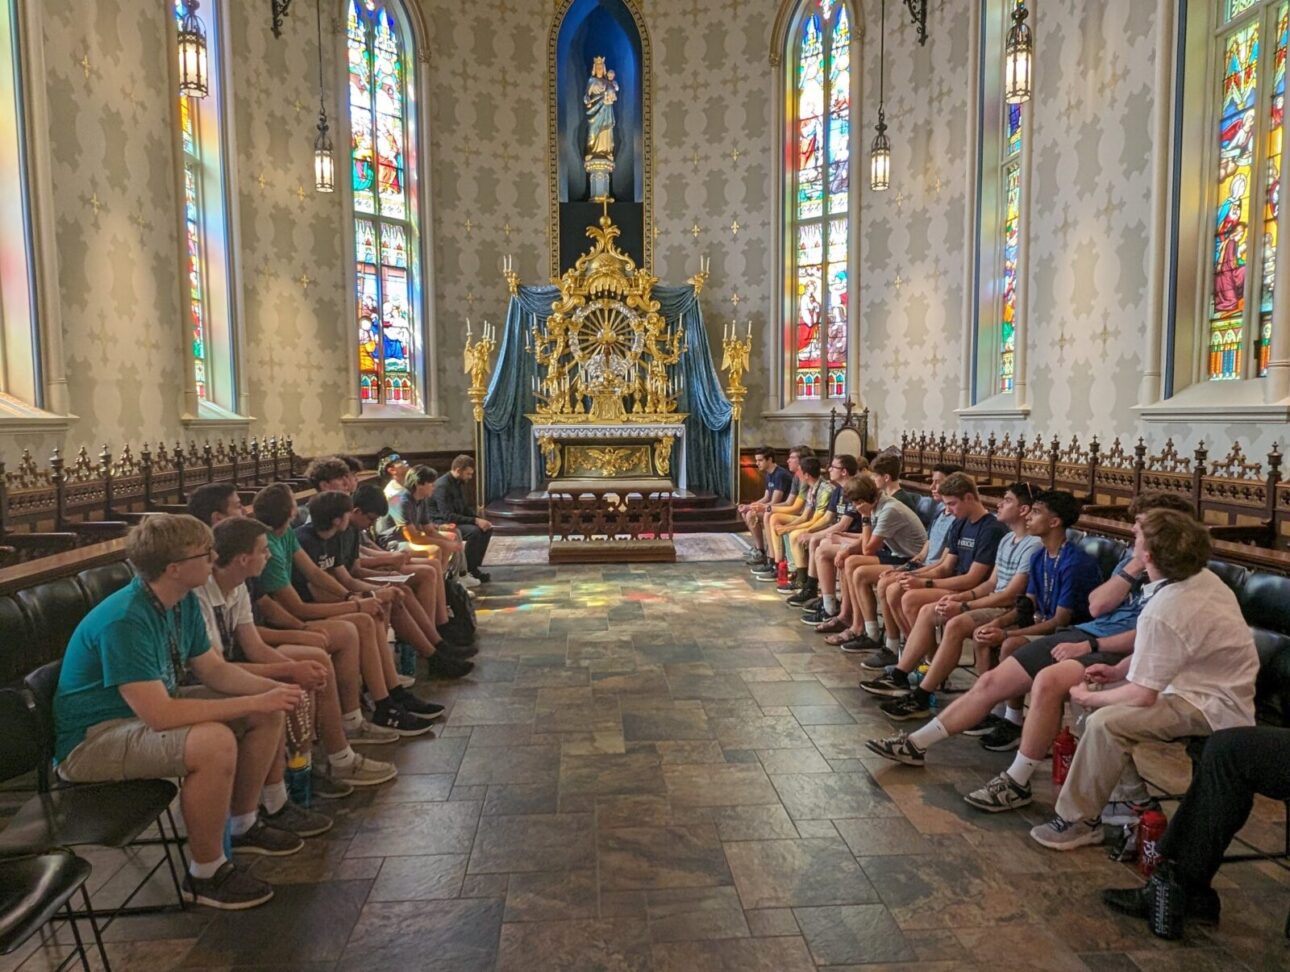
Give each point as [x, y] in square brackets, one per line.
[609, 256]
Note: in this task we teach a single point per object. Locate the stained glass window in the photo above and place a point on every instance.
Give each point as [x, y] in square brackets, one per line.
[1247, 171]
[821, 89]
[195, 309]
[381, 119]
[1009, 233]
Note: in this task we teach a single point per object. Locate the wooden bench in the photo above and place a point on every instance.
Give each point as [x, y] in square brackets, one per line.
[597, 521]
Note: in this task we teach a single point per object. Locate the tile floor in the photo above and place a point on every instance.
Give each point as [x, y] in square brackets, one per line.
[659, 767]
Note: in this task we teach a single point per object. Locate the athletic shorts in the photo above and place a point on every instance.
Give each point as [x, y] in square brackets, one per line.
[1038, 655]
[985, 615]
[126, 749]
[885, 556]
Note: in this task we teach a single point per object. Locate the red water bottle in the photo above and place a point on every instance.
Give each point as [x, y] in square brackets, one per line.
[781, 575]
[1151, 828]
[1063, 753]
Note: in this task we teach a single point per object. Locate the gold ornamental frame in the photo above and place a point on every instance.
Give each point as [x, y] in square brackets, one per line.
[553, 124]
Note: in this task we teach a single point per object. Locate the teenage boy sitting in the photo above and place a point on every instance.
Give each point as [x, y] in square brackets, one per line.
[841, 469]
[817, 513]
[408, 525]
[961, 613]
[779, 481]
[1191, 673]
[273, 507]
[330, 543]
[450, 502]
[121, 710]
[886, 471]
[241, 553]
[783, 512]
[393, 467]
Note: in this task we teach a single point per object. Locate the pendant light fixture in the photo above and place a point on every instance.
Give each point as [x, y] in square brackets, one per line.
[192, 53]
[880, 153]
[1018, 57]
[324, 160]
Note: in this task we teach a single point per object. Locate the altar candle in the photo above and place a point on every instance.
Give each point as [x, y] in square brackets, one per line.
[750, 327]
[725, 332]
[467, 327]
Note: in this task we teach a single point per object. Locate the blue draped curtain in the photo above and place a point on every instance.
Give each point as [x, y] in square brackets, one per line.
[507, 433]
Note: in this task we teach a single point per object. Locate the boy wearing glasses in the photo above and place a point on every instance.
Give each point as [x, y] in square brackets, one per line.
[122, 711]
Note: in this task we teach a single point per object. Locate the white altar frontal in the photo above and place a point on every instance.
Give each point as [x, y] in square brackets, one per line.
[607, 450]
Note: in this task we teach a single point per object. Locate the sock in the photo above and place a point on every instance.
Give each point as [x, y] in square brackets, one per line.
[342, 758]
[999, 710]
[273, 797]
[830, 604]
[352, 720]
[241, 823]
[899, 677]
[928, 735]
[204, 871]
[921, 696]
[872, 630]
[1022, 769]
[1013, 715]
[893, 644]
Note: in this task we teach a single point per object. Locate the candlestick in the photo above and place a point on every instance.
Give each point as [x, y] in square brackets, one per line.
[467, 327]
[750, 327]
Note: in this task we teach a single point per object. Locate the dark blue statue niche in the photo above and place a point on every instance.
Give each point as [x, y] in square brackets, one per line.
[592, 29]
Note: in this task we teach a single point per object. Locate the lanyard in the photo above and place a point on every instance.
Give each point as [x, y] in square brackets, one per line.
[171, 616]
[1050, 580]
[225, 632]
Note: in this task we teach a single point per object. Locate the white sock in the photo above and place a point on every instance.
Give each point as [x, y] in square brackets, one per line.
[203, 871]
[273, 797]
[894, 645]
[830, 604]
[342, 758]
[1015, 716]
[872, 630]
[999, 710]
[241, 823]
[928, 735]
[352, 720]
[1022, 768]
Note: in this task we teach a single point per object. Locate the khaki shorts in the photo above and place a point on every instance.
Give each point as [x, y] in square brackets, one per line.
[985, 615]
[126, 749]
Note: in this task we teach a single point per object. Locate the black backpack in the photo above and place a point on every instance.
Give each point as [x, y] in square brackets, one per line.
[461, 624]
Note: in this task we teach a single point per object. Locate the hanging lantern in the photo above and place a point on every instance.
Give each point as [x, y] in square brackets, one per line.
[880, 158]
[324, 159]
[1018, 58]
[192, 54]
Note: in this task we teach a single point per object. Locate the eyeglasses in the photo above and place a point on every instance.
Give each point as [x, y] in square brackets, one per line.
[207, 554]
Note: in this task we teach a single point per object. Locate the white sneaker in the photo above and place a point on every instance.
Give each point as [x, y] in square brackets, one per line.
[362, 771]
[407, 681]
[369, 735]
[468, 582]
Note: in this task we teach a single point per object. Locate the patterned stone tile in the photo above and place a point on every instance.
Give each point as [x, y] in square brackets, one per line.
[661, 857]
[752, 955]
[594, 945]
[797, 874]
[602, 775]
[509, 764]
[440, 935]
[852, 933]
[710, 785]
[767, 732]
[813, 796]
[695, 913]
[781, 761]
[417, 828]
[551, 896]
[537, 842]
[428, 877]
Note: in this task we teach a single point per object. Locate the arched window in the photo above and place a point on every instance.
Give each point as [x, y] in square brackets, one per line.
[383, 138]
[819, 224]
[207, 258]
[1246, 169]
[1000, 215]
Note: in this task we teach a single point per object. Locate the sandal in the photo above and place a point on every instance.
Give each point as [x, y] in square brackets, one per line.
[839, 638]
[832, 626]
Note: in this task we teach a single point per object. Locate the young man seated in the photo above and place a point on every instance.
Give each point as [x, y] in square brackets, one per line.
[241, 553]
[452, 501]
[122, 710]
[1191, 673]
[393, 467]
[842, 468]
[408, 525]
[890, 535]
[1237, 764]
[962, 613]
[779, 481]
[886, 471]
[273, 507]
[784, 512]
[330, 543]
[817, 514]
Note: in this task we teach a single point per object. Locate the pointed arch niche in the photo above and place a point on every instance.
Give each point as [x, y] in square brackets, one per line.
[581, 31]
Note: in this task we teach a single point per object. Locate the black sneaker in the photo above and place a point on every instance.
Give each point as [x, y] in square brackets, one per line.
[266, 841]
[985, 726]
[1202, 907]
[228, 889]
[770, 575]
[765, 567]
[803, 597]
[755, 558]
[444, 666]
[390, 715]
[905, 708]
[1003, 738]
[817, 616]
[456, 650]
[790, 586]
[429, 711]
[887, 685]
[481, 575]
[295, 819]
[881, 659]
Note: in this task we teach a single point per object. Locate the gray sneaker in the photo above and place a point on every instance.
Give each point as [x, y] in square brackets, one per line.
[362, 771]
[898, 749]
[370, 735]
[1001, 793]
[229, 889]
[295, 819]
[1063, 835]
[266, 841]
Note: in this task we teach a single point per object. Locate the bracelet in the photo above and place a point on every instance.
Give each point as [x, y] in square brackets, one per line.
[929, 583]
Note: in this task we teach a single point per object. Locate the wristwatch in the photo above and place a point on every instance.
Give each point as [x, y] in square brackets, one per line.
[1093, 644]
[929, 583]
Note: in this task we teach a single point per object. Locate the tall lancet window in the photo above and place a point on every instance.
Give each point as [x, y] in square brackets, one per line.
[1250, 95]
[819, 226]
[387, 275]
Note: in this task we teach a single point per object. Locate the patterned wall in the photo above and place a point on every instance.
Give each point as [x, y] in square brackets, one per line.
[110, 106]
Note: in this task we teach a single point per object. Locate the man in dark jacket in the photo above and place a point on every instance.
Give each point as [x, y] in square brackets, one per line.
[451, 503]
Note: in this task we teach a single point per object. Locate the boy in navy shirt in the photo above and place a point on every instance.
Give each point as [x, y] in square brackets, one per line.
[779, 481]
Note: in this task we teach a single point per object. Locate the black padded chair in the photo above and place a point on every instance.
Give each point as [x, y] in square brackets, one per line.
[1233, 575]
[1104, 550]
[38, 889]
[113, 815]
[926, 510]
[99, 582]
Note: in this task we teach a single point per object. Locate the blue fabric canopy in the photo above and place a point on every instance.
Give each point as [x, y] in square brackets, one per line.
[508, 434]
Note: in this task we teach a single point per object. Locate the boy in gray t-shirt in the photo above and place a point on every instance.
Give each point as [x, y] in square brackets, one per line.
[900, 527]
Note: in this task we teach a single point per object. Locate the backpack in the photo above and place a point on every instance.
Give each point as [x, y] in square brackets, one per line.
[461, 624]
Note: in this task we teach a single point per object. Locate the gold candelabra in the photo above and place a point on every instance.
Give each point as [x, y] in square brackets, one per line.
[478, 359]
[734, 362]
